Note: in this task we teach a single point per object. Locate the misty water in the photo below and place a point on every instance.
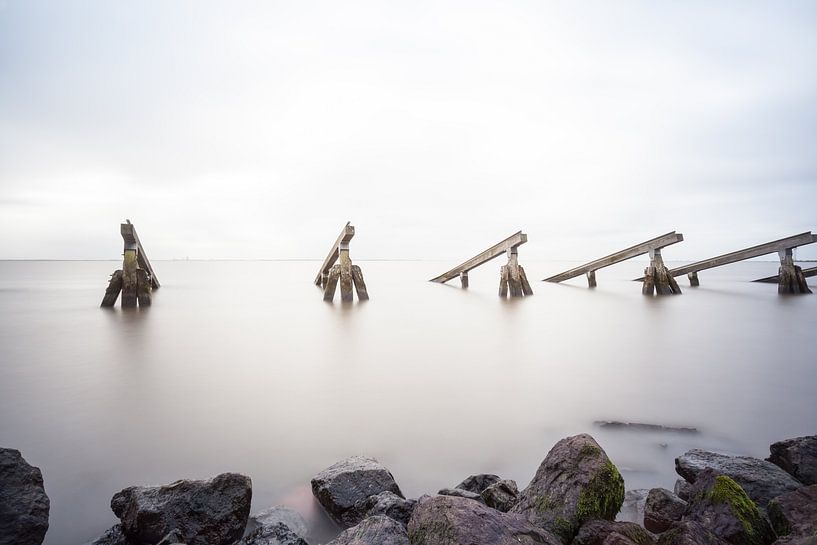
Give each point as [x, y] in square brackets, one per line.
[239, 366]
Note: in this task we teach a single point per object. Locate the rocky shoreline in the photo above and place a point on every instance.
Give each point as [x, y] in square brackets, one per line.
[573, 499]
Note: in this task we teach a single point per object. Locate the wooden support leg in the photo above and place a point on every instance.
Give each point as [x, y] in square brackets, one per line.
[591, 279]
[345, 274]
[648, 288]
[662, 280]
[114, 287]
[514, 278]
[801, 280]
[331, 283]
[693, 279]
[129, 287]
[360, 285]
[503, 281]
[464, 279]
[143, 287]
[324, 277]
[790, 278]
[526, 289]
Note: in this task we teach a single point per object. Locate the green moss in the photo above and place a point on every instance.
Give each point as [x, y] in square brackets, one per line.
[727, 491]
[778, 519]
[603, 495]
[563, 527]
[589, 450]
[543, 504]
[438, 532]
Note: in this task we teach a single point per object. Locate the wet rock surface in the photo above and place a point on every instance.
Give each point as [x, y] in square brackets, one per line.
[798, 457]
[795, 514]
[689, 533]
[605, 532]
[479, 482]
[662, 510]
[278, 515]
[376, 530]
[24, 505]
[632, 510]
[460, 493]
[388, 504]
[112, 536]
[502, 495]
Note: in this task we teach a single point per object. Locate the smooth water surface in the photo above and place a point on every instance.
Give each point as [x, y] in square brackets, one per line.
[239, 366]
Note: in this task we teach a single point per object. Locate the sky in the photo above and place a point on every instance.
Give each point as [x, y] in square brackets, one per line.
[257, 129]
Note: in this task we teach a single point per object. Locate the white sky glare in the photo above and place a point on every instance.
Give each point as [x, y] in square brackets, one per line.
[256, 129]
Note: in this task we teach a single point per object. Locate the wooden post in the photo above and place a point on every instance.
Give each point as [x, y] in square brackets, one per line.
[591, 279]
[693, 279]
[791, 279]
[512, 277]
[348, 274]
[143, 287]
[526, 289]
[360, 285]
[114, 287]
[345, 273]
[464, 279]
[129, 287]
[657, 278]
[331, 283]
[503, 281]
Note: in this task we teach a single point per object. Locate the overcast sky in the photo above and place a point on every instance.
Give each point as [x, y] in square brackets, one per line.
[256, 129]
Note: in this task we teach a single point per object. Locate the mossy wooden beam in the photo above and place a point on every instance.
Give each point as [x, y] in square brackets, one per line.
[513, 241]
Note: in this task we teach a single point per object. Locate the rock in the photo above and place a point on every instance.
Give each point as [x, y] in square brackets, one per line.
[640, 426]
[450, 520]
[342, 486]
[460, 493]
[632, 510]
[795, 513]
[212, 512]
[798, 457]
[24, 505]
[789, 540]
[276, 533]
[112, 536]
[388, 504]
[662, 510]
[762, 480]
[682, 488]
[174, 537]
[719, 503]
[501, 495]
[605, 532]
[278, 515]
[689, 533]
[376, 530]
[478, 483]
[576, 482]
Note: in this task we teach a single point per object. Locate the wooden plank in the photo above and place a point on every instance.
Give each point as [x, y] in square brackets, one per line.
[494, 251]
[345, 274]
[331, 283]
[628, 253]
[114, 287]
[129, 279]
[360, 285]
[345, 236]
[131, 239]
[755, 251]
[143, 288]
[811, 271]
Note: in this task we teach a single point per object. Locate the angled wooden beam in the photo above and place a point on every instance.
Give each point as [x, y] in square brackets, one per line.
[345, 236]
[132, 242]
[628, 253]
[807, 273]
[494, 251]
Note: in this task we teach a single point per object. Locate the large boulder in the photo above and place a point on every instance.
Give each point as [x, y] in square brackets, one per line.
[450, 520]
[719, 503]
[662, 510]
[376, 530]
[112, 536]
[795, 513]
[689, 533]
[576, 482]
[275, 516]
[502, 495]
[273, 534]
[341, 487]
[388, 504]
[681, 489]
[479, 482]
[762, 480]
[212, 512]
[24, 505]
[605, 532]
[798, 457]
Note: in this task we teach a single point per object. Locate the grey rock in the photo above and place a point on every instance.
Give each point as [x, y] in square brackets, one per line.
[576, 482]
[24, 505]
[388, 504]
[502, 495]
[460, 493]
[376, 530]
[112, 536]
[605, 532]
[479, 482]
[719, 504]
[212, 512]
[662, 510]
[791, 540]
[172, 538]
[278, 515]
[276, 533]
[682, 488]
[689, 533]
[798, 457]
[451, 520]
[795, 513]
[762, 480]
[632, 510]
[341, 487]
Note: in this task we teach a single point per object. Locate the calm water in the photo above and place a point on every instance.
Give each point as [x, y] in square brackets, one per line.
[239, 366]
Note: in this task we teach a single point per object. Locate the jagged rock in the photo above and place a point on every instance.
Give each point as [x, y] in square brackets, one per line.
[212, 512]
[276, 533]
[174, 537]
[478, 483]
[388, 504]
[762, 480]
[719, 503]
[789, 540]
[501, 495]
[662, 510]
[112, 536]
[795, 513]
[460, 493]
[341, 487]
[689, 533]
[798, 457]
[682, 488]
[278, 515]
[605, 532]
[376, 530]
[632, 510]
[576, 482]
[450, 520]
[24, 505]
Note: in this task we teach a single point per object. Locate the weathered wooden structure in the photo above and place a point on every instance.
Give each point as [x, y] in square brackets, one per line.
[656, 277]
[512, 278]
[348, 274]
[774, 279]
[790, 278]
[136, 280]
